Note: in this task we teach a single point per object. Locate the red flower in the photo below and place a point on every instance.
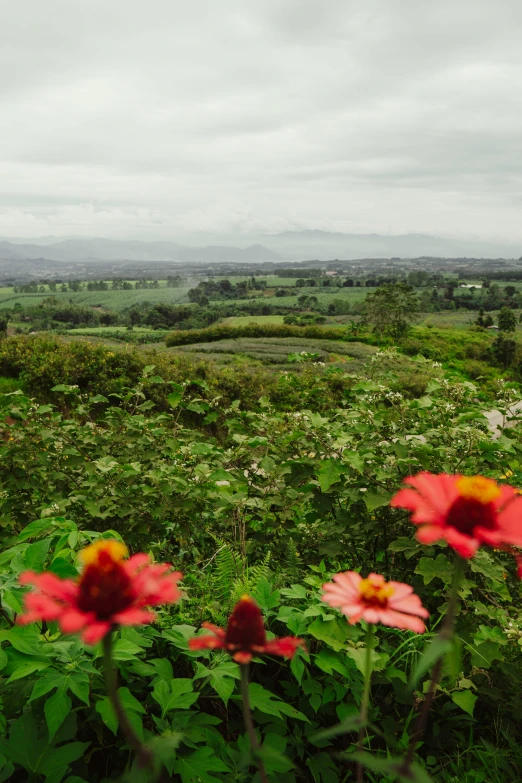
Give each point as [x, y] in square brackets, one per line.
[376, 601]
[109, 592]
[465, 511]
[245, 635]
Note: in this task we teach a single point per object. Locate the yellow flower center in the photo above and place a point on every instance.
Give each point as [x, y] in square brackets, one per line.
[478, 488]
[375, 590]
[115, 551]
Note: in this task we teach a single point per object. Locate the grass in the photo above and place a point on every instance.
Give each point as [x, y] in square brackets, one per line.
[275, 350]
[241, 320]
[111, 300]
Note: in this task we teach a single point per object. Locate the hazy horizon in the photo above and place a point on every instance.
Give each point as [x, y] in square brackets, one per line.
[168, 121]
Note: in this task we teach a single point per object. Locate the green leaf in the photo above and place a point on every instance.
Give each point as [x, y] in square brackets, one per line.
[56, 709]
[465, 700]
[393, 767]
[430, 569]
[375, 500]
[125, 651]
[36, 554]
[329, 473]
[265, 597]
[351, 724]
[3, 659]
[176, 695]
[107, 714]
[435, 650]
[129, 702]
[174, 399]
[323, 768]
[35, 528]
[265, 701]
[25, 669]
[332, 632]
[197, 767]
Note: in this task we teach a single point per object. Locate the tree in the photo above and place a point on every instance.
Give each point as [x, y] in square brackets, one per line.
[4, 320]
[504, 349]
[390, 308]
[507, 320]
[510, 291]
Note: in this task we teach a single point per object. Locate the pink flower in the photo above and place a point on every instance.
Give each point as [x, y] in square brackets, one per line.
[375, 601]
[465, 511]
[245, 635]
[109, 592]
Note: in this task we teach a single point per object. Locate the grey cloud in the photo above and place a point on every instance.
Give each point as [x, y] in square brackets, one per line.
[155, 118]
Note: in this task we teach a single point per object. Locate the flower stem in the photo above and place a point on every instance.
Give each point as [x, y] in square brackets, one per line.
[144, 756]
[445, 634]
[247, 717]
[363, 712]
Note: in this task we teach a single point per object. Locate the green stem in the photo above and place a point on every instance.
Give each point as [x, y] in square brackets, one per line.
[445, 634]
[249, 724]
[143, 754]
[363, 712]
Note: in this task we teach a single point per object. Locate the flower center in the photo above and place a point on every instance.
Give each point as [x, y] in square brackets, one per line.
[375, 591]
[104, 587]
[479, 488]
[474, 508]
[246, 630]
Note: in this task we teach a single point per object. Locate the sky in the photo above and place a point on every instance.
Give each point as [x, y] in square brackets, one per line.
[165, 119]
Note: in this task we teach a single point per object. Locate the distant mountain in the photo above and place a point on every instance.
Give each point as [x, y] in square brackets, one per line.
[116, 250]
[289, 246]
[323, 246]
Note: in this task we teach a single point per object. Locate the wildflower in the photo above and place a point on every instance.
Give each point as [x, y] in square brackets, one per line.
[245, 635]
[375, 601]
[111, 591]
[465, 511]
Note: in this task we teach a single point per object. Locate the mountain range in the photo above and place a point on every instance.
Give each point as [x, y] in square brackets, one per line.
[288, 246]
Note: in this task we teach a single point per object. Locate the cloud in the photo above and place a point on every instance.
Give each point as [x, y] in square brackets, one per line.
[136, 119]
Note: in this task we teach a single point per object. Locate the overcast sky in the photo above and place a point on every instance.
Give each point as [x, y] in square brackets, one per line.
[154, 118]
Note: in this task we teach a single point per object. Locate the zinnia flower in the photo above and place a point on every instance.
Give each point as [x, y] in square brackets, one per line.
[245, 635]
[111, 591]
[465, 511]
[375, 601]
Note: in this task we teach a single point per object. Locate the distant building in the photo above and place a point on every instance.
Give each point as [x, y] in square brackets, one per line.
[495, 328]
[467, 285]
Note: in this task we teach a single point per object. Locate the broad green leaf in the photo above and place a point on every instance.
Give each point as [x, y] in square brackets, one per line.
[36, 554]
[3, 659]
[176, 695]
[375, 500]
[323, 768]
[465, 700]
[174, 398]
[392, 767]
[329, 473]
[266, 702]
[430, 569]
[197, 767]
[107, 714]
[33, 529]
[56, 709]
[25, 669]
[129, 702]
[334, 633]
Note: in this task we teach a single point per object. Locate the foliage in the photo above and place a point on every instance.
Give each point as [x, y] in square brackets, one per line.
[251, 330]
[391, 308]
[258, 498]
[507, 320]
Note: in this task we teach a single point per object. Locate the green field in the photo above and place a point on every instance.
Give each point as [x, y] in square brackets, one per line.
[241, 320]
[111, 300]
